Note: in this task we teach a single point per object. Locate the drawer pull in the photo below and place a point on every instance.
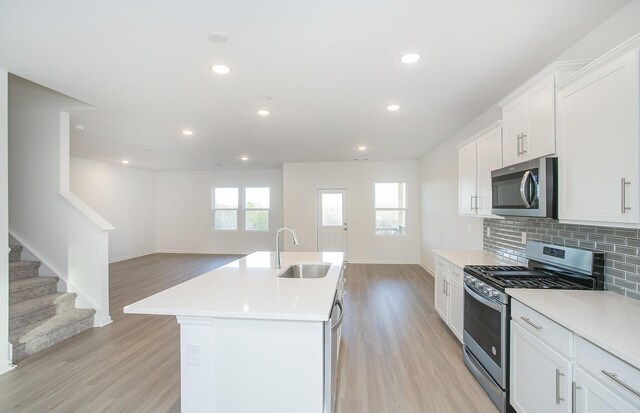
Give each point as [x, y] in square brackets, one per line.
[614, 377]
[528, 321]
[558, 375]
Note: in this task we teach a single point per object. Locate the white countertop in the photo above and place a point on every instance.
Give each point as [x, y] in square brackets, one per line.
[608, 320]
[460, 258]
[250, 288]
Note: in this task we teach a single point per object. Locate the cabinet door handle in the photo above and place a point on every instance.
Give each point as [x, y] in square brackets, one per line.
[444, 287]
[518, 145]
[574, 397]
[471, 201]
[623, 195]
[558, 375]
[528, 321]
[524, 143]
[614, 377]
[476, 197]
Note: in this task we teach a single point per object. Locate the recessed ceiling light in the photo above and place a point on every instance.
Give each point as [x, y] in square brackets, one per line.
[244, 158]
[393, 107]
[410, 58]
[125, 161]
[187, 132]
[362, 148]
[78, 127]
[217, 37]
[263, 112]
[220, 69]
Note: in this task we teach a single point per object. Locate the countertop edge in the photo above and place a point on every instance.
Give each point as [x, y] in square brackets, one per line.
[589, 336]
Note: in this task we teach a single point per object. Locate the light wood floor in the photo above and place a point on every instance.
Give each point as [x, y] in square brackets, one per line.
[397, 355]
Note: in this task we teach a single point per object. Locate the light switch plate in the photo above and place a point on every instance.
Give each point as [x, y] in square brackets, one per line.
[524, 237]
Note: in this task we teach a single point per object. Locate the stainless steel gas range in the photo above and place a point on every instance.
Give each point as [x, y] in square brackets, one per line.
[487, 312]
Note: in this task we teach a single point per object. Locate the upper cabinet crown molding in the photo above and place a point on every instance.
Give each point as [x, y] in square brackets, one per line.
[568, 66]
[529, 115]
[476, 135]
[627, 46]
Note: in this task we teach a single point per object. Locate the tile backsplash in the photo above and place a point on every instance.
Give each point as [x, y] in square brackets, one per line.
[620, 245]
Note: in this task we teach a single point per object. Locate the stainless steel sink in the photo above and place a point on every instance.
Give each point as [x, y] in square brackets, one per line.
[305, 271]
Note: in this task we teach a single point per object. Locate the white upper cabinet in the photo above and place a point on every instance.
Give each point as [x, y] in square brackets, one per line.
[599, 140]
[476, 160]
[528, 115]
[489, 158]
[467, 178]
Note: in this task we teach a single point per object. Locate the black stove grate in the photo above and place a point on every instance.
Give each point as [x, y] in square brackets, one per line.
[511, 276]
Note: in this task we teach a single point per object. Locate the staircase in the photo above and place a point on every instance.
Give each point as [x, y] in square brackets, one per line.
[39, 316]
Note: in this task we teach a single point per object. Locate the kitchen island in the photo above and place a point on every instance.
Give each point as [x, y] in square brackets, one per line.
[249, 340]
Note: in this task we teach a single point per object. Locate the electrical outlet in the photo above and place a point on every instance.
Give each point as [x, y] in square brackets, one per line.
[193, 354]
[524, 237]
[488, 232]
[469, 228]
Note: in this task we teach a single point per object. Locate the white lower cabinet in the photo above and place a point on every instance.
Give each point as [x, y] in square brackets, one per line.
[592, 396]
[555, 370]
[449, 295]
[456, 308]
[540, 377]
[441, 297]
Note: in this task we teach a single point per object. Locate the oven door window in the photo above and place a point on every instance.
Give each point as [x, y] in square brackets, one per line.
[506, 191]
[484, 325]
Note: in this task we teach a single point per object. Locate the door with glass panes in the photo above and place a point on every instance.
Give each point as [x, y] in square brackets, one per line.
[332, 220]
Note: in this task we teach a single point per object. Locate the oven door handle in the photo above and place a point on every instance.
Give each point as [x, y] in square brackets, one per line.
[483, 300]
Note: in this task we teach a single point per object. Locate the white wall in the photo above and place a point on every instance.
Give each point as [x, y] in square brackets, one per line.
[442, 227]
[124, 196]
[62, 231]
[185, 218]
[302, 181]
[5, 359]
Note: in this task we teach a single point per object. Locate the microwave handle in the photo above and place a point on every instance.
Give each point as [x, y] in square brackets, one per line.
[523, 185]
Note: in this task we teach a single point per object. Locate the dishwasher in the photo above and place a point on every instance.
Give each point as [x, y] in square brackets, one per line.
[331, 355]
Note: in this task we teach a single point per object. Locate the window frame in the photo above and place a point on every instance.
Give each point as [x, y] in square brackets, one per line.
[241, 210]
[403, 210]
[246, 209]
[214, 209]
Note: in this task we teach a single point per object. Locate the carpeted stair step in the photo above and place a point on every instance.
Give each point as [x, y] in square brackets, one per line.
[36, 309]
[32, 287]
[15, 253]
[19, 270]
[45, 333]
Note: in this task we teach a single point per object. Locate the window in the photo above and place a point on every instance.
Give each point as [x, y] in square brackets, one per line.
[332, 210]
[225, 209]
[256, 204]
[390, 203]
[234, 205]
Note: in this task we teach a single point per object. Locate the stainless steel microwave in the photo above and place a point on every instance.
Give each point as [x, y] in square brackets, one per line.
[528, 189]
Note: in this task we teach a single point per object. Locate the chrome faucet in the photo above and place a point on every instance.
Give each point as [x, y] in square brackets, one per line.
[295, 242]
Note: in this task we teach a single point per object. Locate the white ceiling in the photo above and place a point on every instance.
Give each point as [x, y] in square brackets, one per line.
[332, 67]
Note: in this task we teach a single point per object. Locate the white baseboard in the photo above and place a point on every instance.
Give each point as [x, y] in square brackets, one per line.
[382, 262]
[203, 252]
[431, 272]
[128, 257]
[6, 368]
[103, 322]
